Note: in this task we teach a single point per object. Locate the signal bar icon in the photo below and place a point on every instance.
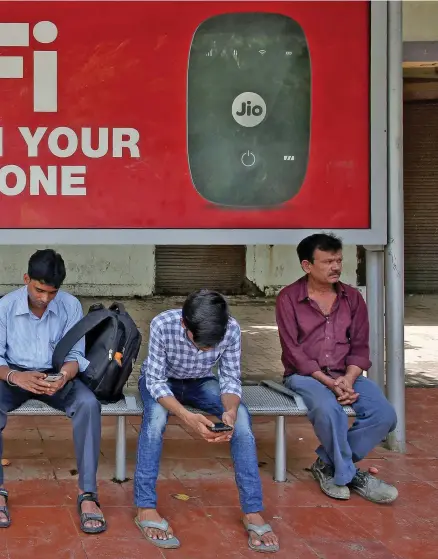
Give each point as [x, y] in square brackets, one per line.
[289, 157]
[262, 52]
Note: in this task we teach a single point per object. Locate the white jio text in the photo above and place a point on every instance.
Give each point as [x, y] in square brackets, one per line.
[63, 142]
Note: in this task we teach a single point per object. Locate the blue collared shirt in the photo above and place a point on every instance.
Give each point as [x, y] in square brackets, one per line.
[28, 341]
[172, 354]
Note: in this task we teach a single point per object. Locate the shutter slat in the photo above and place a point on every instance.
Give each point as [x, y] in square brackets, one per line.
[421, 196]
[179, 270]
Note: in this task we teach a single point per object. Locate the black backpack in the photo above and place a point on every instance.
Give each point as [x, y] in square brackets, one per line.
[112, 343]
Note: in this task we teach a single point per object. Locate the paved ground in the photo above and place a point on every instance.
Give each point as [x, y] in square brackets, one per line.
[311, 526]
[421, 337]
[42, 475]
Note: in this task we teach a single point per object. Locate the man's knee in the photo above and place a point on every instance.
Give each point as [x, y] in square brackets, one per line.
[88, 405]
[9, 400]
[387, 416]
[3, 420]
[378, 411]
[154, 419]
[242, 426]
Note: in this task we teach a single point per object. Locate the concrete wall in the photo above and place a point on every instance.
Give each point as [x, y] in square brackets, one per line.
[271, 267]
[129, 271]
[420, 20]
[92, 270]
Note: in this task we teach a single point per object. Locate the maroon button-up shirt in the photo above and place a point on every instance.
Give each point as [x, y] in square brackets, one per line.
[313, 342]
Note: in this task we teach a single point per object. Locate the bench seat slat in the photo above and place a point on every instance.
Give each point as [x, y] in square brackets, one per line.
[267, 399]
[260, 400]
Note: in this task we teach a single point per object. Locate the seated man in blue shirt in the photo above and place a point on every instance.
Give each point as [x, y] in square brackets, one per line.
[32, 321]
[183, 348]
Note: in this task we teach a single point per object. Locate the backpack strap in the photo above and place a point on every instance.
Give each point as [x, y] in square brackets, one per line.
[77, 332]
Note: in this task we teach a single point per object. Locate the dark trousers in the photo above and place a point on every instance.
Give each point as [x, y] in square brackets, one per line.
[81, 406]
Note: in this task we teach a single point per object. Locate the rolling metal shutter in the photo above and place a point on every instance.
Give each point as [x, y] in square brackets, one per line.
[421, 196]
[179, 270]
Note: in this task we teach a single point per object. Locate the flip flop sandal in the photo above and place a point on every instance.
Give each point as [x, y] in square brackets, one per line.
[172, 543]
[4, 509]
[260, 531]
[87, 517]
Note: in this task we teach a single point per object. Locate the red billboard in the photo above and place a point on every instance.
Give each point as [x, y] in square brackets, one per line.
[185, 115]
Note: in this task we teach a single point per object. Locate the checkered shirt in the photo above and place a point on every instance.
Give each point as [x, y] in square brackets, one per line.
[172, 355]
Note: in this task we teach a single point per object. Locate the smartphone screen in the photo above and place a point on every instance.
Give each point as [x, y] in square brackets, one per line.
[220, 427]
[53, 378]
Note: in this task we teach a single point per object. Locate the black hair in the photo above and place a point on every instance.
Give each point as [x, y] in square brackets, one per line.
[320, 241]
[205, 313]
[47, 266]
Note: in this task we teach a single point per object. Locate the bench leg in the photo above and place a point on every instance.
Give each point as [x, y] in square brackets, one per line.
[121, 448]
[280, 449]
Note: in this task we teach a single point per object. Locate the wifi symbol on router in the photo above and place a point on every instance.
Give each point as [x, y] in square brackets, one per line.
[262, 52]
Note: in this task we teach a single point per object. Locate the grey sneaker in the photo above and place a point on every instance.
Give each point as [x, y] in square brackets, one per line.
[323, 473]
[372, 488]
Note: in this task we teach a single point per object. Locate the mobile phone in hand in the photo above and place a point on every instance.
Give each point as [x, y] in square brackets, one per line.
[220, 428]
[54, 377]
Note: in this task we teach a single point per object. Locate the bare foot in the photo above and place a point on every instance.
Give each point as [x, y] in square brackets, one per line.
[3, 518]
[153, 516]
[268, 539]
[90, 508]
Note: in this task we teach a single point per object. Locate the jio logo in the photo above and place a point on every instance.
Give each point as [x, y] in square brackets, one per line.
[248, 109]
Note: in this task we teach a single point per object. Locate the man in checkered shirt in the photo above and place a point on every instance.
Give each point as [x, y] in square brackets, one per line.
[184, 346]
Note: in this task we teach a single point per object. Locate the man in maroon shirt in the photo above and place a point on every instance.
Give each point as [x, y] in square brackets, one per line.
[323, 327]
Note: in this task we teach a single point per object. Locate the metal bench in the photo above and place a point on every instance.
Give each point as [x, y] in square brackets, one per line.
[266, 399]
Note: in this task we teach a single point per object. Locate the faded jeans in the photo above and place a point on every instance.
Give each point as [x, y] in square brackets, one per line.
[203, 394]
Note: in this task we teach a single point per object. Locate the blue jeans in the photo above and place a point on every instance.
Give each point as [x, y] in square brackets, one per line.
[340, 446]
[203, 394]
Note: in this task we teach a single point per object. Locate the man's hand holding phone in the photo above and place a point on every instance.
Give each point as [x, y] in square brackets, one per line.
[207, 429]
[225, 429]
[32, 381]
[224, 432]
[201, 425]
[56, 382]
